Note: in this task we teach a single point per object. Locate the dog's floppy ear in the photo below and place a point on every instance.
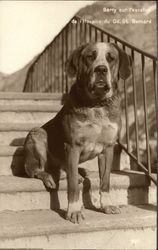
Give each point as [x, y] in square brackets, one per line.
[73, 61]
[125, 65]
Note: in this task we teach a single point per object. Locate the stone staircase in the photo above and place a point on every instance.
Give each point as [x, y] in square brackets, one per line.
[31, 217]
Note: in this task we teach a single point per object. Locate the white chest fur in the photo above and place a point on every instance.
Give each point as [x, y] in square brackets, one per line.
[96, 128]
[105, 133]
[96, 136]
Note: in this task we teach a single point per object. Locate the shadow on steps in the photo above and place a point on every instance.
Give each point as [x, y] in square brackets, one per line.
[17, 141]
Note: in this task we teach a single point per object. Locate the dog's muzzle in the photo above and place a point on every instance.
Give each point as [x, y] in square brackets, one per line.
[101, 84]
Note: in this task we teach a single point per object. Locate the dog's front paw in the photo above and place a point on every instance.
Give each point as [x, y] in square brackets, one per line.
[107, 204]
[74, 212]
[75, 217]
[111, 210]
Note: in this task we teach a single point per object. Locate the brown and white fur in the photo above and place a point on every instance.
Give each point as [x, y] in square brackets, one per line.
[87, 126]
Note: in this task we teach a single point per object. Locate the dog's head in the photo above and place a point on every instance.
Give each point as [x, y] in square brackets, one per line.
[97, 68]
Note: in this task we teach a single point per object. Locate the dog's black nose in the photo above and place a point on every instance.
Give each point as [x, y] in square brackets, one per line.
[101, 69]
[107, 88]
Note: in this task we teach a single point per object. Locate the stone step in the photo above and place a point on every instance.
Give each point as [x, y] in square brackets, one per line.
[134, 228]
[28, 102]
[12, 161]
[21, 193]
[14, 133]
[30, 96]
[25, 113]
[7, 98]
[30, 108]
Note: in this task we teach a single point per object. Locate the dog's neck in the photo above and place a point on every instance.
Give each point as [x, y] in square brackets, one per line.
[80, 99]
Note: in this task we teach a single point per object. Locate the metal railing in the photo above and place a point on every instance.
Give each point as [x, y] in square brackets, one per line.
[47, 74]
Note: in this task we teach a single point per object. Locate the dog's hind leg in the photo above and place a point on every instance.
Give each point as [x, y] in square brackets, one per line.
[35, 168]
[46, 178]
[35, 151]
[40, 173]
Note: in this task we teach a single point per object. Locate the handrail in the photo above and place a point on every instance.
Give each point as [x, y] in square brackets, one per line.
[130, 45]
[134, 158]
[101, 30]
[40, 55]
[47, 74]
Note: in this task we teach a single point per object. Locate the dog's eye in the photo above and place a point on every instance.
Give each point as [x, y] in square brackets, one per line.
[90, 57]
[109, 57]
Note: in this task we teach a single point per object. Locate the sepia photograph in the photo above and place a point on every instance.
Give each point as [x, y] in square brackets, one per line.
[78, 125]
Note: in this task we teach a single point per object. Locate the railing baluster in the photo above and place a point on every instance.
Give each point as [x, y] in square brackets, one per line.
[102, 36]
[115, 41]
[49, 68]
[71, 44]
[39, 74]
[66, 54]
[81, 33]
[31, 82]
[43, 72]
[146, 114]
[127, 117]
[28, 84]
[126, 112]
[46, 72]
[76, 34]
[36, 75]
[135, 105]
[90, 33]
[71, 38]
[85, 33]
[96, 35]
[155, 81]
[55, 65]
[59, 65]
[52, 68]
[62, 66]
